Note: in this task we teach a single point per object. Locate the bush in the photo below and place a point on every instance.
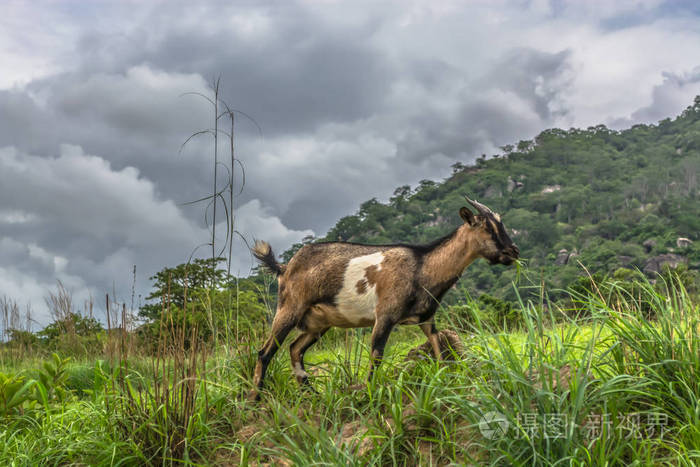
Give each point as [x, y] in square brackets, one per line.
[500, 314]
[488, 312]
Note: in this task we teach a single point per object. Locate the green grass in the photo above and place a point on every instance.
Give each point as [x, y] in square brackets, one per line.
[553, 387]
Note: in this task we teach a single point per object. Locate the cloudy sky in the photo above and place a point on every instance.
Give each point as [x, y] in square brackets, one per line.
[353, 99]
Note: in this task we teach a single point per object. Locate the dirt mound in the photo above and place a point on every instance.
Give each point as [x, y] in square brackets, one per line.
[451, 347]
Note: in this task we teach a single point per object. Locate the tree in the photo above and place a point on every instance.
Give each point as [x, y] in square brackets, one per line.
[83, 326]
[345, 229]
[170, 284]
[185, 297]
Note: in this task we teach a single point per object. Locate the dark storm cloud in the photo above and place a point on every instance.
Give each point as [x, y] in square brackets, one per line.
[443, 118]
[537, 77]
[24, 124]
[134, 118]
[292, 73]
[521, 93]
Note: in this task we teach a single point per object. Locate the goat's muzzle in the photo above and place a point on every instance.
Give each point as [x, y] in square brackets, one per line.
[509, 254]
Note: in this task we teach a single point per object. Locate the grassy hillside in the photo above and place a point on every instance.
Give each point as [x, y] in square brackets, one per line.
[616, 201]
[613, 389]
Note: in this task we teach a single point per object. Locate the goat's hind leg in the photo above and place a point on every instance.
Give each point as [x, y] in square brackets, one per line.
[380, 335]
[297, 351]
[431, 333]
[281, 325]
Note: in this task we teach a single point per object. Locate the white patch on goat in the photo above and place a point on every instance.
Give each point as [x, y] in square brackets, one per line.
[354, 306]
[299, 371]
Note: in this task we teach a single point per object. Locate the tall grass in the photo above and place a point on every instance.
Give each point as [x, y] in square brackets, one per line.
[614, 388]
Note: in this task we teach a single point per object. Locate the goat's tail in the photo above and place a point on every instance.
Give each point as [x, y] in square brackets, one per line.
[263, 253]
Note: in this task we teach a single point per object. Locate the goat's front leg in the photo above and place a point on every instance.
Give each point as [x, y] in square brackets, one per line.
[431, 333]
[380, 334]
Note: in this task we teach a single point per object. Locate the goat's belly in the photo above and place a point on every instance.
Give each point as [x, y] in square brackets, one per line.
[356, 302]
[358, 311]
[322, 316]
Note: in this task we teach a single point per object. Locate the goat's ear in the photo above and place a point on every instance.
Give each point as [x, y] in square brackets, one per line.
[467, 215]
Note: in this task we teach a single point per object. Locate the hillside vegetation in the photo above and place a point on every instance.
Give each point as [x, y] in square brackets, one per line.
[616, 201]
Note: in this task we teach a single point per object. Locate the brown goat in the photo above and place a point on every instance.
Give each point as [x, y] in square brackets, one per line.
[350, 285]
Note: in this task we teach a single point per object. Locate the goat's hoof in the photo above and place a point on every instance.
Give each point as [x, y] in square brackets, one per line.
[253, 396]
[304, 383]
[306, 387]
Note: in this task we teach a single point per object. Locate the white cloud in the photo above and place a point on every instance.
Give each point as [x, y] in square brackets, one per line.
[15, 216]
[27, 51]
[255, 221]
[82, 194]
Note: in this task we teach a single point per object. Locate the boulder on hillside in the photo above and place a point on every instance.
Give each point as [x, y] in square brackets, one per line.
[437, 221]
[562, 257]
[655, 264]
[493, 191]
[551, 188]
[649, 244]
[572, 255]
[682, 242]
[513, 184]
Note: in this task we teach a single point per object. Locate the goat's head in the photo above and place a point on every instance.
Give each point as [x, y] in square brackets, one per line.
[492, 241]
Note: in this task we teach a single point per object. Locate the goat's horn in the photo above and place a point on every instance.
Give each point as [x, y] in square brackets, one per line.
[479, 207]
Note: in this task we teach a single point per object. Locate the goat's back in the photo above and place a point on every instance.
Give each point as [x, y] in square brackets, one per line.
[324, 272]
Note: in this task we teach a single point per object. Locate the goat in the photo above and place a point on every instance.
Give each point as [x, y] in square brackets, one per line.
[351, 285]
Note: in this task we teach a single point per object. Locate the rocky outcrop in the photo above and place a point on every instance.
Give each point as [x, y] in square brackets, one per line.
[551, 189]
[563, 257]
[649, 244]
[682, 242]
[513, 184]
[572, 255]
[656, 264]
[493, 191]
[555, 379]
[439, 220]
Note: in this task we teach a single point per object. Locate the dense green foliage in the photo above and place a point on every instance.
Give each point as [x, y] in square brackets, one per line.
[206, 298]
[597, 193]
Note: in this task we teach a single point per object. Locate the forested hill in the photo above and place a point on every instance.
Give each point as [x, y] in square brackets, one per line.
[614, 200]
